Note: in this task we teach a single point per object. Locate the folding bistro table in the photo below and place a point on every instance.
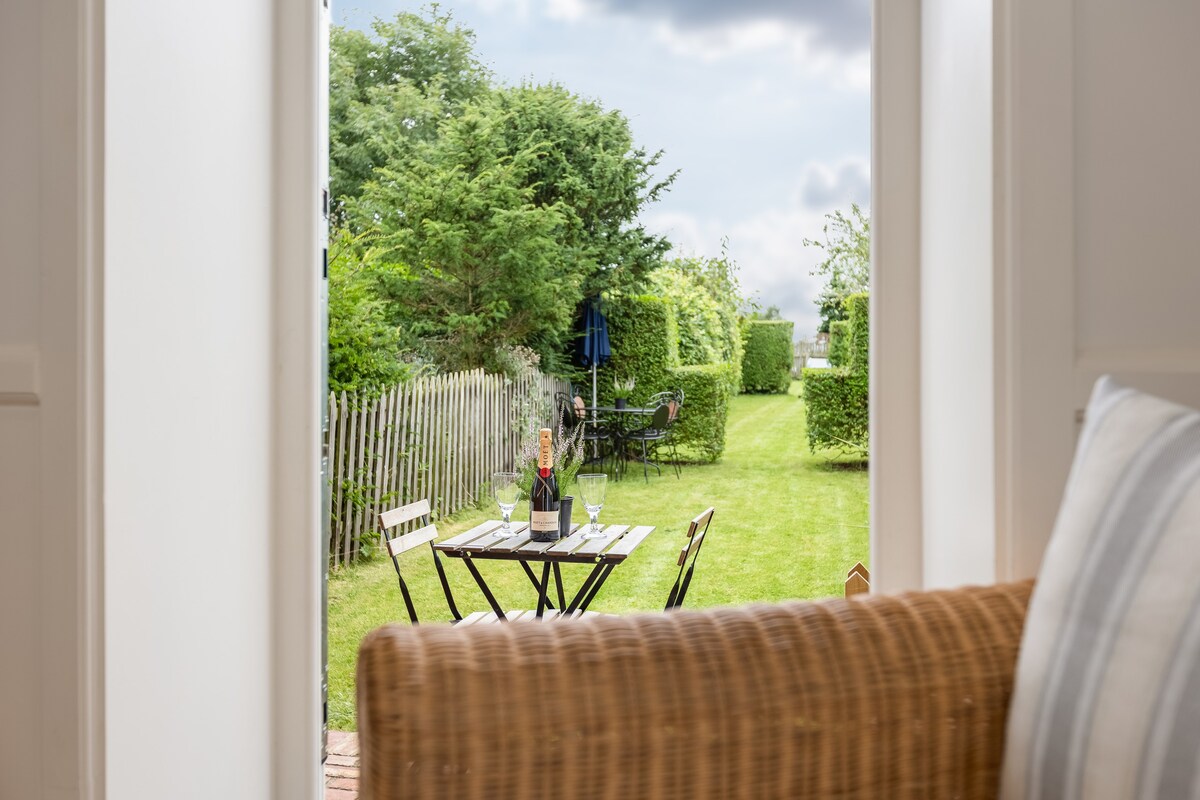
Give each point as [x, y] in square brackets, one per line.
[605, 554]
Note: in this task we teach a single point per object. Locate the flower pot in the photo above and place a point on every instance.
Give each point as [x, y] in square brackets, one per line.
[619, 402]
[564, 516]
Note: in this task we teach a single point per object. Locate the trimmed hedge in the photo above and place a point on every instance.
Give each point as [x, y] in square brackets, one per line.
[707, 389]
[767, 359]
[645, 344]
[839, 335]
[836, 400]
[858, 314]
[837, 410]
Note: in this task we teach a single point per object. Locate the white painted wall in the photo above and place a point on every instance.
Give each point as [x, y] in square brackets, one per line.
[1097, 210]
[956, 284]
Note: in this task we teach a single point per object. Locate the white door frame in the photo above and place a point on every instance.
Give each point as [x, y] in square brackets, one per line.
[895, 395]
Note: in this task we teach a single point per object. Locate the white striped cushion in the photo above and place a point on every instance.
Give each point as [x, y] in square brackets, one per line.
[1107, 696]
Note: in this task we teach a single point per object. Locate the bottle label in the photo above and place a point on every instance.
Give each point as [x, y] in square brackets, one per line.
[543, 520]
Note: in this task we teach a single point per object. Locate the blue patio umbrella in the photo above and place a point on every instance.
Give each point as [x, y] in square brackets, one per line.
[592, 348]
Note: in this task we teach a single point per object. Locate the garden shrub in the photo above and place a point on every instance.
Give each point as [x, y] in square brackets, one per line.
[858, 314]
[836, 400]
[839, 333]
[837, 410]
[644, 336]
[707, 389]
[645, 345]
[767, 358]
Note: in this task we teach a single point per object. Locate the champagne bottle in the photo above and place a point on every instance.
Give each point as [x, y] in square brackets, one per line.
[543, 500]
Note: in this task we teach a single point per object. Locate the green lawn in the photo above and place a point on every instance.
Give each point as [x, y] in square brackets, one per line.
[787, 525]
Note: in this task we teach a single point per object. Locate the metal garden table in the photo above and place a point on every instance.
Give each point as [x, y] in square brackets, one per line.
[605, 554]
[620, 418]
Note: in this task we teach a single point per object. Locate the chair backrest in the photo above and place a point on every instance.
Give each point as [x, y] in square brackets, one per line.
[662, 417]
[580, 407]
[697, 531]
[660, 398]
[398, 545]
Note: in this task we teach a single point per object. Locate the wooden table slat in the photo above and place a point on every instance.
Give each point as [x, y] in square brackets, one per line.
[469, 536]
[517, 542]
[534, 548]
[568, 545]
[625, 545]
[489, 541]
[597, 546]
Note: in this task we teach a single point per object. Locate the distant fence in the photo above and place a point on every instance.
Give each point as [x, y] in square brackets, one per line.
[439, 438]
[803, 351]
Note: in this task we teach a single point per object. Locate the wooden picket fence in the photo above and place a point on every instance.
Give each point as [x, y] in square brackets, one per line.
[439, 437]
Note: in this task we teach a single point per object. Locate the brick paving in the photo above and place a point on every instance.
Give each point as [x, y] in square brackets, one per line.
[341, 766]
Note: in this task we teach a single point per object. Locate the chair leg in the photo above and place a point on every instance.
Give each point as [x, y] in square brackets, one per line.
[645, 462]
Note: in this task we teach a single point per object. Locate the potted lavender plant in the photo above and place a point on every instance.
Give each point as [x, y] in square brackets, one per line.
[622, 389]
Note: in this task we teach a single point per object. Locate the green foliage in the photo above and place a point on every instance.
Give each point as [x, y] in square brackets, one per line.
[839, 337]
[847, 263]
[706, 295]
[858, 311]
[391, 89]
[837, 399]
[592, 171]
[707, 390]
[838, 415]
[644, 335]
[767, 360]
[486, 269]
[364, 350]
[645, 345]
[509, 205]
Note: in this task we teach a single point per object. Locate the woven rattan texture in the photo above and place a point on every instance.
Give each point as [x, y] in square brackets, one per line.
[887, 697]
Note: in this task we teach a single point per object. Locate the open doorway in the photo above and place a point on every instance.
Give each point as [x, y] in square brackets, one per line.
[498, 167]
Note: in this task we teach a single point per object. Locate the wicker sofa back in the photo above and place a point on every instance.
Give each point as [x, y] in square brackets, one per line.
[897, 697]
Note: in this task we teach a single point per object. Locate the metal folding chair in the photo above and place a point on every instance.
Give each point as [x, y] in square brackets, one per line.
[687, 558]
[427, 534]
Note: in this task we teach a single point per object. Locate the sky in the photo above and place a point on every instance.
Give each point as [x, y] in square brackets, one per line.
[762, 105]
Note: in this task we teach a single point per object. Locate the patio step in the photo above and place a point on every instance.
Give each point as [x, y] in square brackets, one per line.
[341, 766]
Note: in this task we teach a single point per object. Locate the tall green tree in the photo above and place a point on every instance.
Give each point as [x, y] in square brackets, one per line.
[392, 88]
[846, 266]
[591, 168]
[484, 261]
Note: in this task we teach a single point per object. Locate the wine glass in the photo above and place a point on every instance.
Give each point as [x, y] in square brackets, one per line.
[507, 492]
[591, 490]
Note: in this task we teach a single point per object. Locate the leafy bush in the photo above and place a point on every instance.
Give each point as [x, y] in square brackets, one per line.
[767, 359]
[836, 399]
[858, 351]
[707, 389]
[706, 295]
[644, 338]
[839, 333]
[836, 405]
[364, 350]
[644, 335]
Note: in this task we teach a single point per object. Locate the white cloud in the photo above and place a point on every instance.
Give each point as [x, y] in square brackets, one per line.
[774, 265]
[825, 186]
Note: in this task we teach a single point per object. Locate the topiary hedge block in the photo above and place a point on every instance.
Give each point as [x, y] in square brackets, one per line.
[644, 336]
[858, 344]
[767, 359]
[837, 410]
[839, 334]
[645, 345]
[706, 389]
